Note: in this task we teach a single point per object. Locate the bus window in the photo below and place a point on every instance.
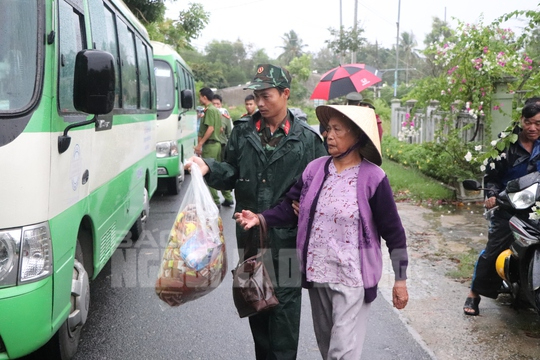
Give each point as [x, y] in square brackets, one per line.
[104, 37]
[144, 74]
[71, 42]
[164, 85]
[18, 53]
[128, 67]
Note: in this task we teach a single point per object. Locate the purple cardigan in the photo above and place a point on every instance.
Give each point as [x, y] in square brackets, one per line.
[378, 218]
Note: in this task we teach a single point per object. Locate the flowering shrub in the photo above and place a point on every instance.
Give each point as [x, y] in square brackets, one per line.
[472, 62]
[478, 57]
[444, 162]
[535, 213]
[408, 128]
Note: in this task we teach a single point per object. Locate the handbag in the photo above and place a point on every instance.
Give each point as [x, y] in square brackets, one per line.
[253, 291]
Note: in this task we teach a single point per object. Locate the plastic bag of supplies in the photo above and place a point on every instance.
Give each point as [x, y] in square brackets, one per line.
[194, 262]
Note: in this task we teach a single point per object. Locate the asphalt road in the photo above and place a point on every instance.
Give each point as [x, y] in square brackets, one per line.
[128, 321]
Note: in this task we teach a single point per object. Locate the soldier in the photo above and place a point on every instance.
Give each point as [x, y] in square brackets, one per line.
[266, 154]
[208, 144]
[225, 133]
[249, 103]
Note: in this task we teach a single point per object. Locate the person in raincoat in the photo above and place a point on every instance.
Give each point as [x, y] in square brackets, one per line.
[266, 155]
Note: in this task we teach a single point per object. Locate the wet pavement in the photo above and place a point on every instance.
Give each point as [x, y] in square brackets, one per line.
[437, 236]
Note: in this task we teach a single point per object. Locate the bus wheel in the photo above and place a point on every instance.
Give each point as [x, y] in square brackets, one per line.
[64, 343]
[138, 228]
[173, 185]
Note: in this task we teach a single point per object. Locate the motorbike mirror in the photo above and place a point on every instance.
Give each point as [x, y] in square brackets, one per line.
[471, 185]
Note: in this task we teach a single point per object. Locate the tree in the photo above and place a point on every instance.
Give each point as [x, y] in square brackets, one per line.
[324, 60]
[440, 32]
[345, 41]
[292, 48]
[209, 74]
[181, 32]
[407, 45]
[300, 70]
[147, 11]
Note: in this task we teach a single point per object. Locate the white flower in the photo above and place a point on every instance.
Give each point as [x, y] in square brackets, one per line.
[485, 162]
[478, 147]
[498, 158]
[503, 155]
[493, 142]
[492, 166]
[534, 216]
[468, 156]
[503, 135]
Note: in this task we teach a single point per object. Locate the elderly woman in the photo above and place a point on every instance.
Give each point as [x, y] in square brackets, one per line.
[346, 206]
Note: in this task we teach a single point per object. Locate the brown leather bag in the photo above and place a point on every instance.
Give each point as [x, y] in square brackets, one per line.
[253, 291]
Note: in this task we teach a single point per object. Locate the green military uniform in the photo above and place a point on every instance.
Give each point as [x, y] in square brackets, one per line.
[226, 125]
[261, 167]
[212, 146]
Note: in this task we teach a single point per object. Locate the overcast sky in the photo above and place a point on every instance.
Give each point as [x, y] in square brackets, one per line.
[263, 23]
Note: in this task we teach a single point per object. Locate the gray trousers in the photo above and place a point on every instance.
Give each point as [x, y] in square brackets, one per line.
[339, 319]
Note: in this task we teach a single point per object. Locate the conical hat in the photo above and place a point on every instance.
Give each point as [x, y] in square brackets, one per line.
[364, 118]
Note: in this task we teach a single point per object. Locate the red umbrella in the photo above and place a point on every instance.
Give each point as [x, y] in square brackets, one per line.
[345, 79]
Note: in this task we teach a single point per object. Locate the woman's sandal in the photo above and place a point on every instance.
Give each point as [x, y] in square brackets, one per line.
[472, 303]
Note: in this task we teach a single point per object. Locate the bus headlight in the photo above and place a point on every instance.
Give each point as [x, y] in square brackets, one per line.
[9, 256]
[36, 253]
[166, 149]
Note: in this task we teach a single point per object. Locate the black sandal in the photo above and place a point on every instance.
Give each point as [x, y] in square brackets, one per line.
[472, 303]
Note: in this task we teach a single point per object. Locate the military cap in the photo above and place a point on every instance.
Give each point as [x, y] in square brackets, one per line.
[270, 76]
[354, 96]
[368, 103]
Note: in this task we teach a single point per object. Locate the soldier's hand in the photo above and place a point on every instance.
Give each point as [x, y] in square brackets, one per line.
[199, 161]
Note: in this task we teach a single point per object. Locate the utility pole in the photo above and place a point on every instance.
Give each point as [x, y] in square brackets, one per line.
[353, 53]
[397, 50]
[340, 32]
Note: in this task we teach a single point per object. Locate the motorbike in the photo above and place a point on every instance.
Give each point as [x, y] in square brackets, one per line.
[519, 266]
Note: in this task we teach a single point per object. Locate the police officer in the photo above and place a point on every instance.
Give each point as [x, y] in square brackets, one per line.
[266, 153]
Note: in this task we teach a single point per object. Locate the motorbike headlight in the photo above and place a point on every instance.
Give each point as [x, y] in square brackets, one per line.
[525, 198]
[166, 149]
[36, 253]
[9, 256]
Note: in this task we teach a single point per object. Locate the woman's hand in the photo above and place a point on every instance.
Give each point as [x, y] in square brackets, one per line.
[246, 219]
[296, 207]
[197, 160]
[400, 296]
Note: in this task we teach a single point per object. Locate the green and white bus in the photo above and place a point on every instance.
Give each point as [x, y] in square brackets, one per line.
[77, 158]
[177, 118]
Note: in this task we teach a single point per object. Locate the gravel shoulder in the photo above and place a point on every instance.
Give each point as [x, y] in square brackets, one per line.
[434, 312]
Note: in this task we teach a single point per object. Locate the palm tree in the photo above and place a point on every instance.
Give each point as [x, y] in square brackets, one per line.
[292, 47]
[407, 45]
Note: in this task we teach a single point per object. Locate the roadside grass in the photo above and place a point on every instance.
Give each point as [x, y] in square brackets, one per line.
[409, 184]
[465, 265]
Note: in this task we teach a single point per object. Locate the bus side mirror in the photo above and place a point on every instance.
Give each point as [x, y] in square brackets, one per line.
[94, 82]
[93, 89]
[186, 99]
